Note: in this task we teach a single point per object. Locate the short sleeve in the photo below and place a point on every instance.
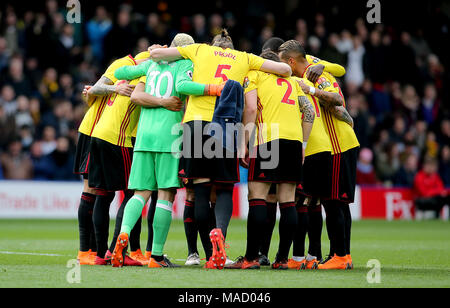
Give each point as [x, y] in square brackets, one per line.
[255, 62]
[109, 73]
[190, 51]
[251, 81]
[143, 79]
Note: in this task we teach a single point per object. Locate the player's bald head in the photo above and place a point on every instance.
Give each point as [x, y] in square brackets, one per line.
[273, 44]
[292, 49]
[182, 39]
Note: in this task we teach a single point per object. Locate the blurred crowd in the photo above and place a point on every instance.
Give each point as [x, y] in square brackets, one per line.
[395, 85]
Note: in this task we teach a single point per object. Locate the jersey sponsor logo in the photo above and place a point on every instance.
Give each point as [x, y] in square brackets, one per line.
[323, 83]
[224, 54]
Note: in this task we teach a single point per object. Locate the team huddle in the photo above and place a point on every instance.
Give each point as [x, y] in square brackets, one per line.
[187, 116]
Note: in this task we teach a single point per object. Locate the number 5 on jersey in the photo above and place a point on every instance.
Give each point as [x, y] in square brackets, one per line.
[220, 74]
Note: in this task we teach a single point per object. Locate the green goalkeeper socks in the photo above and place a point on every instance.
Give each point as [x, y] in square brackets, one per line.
[133, 211]
[161, 226]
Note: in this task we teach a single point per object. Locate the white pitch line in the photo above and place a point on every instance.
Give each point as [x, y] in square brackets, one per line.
[31, 254]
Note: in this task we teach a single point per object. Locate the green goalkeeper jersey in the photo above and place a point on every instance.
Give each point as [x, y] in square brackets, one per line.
[159, 129]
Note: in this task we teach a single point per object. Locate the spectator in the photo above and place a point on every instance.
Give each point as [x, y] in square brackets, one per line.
[200, 33]
[63, 160]
[48, 143]
[26, 135]
[355, 73]
[35, 110]
[346, 42]
[4, 54]
[22, 116]
[388, 162]
[49, 86]
[429, 190]
[15, 163]
[430, 105]
[43, 165]
[331, 53]
[363, 122]
[121, 32]
[302, 30]
[398, 129]
[365, 173]
[17, 79]
[156, 30]
[444, 133]
[444, 169]
[97, 28]
[11, 32]
[215, 24]
[375, 59]
[7, 128]
[405, 175]
[7, 100]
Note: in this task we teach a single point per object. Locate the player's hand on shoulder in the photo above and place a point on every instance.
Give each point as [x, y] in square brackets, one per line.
[314, 72]
[85, 90]
[172, 103]
[304, 87]
[124, 89]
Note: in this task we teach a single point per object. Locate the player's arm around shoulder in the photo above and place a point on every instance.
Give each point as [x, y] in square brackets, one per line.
[130, 72]
[185, 85]
[166, 54]
[277, 68]
[328, 95]
[318, 66]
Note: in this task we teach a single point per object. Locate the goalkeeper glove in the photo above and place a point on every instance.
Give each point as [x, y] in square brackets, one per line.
[214, 89]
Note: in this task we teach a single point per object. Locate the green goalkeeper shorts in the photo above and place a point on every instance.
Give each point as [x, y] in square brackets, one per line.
[153, 171]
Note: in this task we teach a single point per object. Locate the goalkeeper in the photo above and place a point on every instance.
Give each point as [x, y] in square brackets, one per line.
[155, 162]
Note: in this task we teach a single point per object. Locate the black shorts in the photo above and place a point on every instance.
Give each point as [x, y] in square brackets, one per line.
[317, 176]
[289, 166]
[109, 166]
[194, 164]
[344, 175]
[82, 158]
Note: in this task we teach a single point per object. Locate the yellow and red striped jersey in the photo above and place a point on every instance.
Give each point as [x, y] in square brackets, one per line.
[119, 119]
[318, 139]
[214, 65]
[98, 105]
[342, 135]
[278, 115]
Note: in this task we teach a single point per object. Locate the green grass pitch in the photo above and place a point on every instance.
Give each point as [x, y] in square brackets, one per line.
[35, 253]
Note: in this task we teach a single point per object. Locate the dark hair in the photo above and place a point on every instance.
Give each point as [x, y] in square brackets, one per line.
[273, 44]
[270, 55]
[223, 40]
[292, 48]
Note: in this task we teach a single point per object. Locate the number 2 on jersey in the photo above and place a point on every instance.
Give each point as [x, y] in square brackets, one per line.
[286, 98]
